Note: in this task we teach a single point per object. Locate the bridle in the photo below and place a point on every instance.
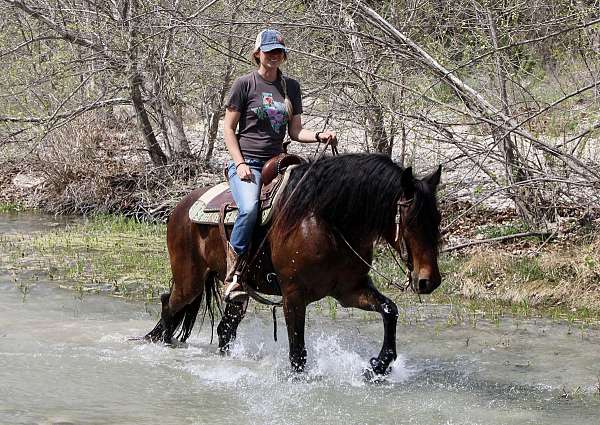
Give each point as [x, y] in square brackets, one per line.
[398, 239]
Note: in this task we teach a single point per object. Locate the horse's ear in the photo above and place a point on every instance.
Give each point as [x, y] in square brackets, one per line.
[434, 179]
[407, 180]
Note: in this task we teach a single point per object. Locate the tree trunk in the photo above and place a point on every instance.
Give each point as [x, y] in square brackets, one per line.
[174, 127]
[377, 128]
[403, 134]
[213, 130]
[217, 110]
[374, 111]
[170, 115]
[514, 168]
[156, 154]
[135, 88]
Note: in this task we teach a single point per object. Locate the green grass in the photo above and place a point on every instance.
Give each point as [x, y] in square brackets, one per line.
[500, 230]
[102, 254]
[528, 269]
[10, 207]
[117, 255]
[478, 282]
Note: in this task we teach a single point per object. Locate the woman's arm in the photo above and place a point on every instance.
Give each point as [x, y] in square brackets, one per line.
[302, 135]
[232, 117]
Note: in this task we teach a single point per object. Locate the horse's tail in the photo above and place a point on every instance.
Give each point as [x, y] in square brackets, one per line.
[187, 316]
[212, 305]
[185, 319]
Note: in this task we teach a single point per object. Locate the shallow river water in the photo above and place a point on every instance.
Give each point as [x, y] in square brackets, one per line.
[66, 358]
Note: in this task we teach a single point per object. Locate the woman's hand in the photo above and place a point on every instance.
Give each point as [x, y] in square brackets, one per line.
[244, 173]
[328, 136]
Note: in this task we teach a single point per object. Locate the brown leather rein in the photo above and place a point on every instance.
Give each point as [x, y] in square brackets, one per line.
[251, 291]
[398, 238]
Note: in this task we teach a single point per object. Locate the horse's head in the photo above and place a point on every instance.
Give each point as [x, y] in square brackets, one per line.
[417, 229]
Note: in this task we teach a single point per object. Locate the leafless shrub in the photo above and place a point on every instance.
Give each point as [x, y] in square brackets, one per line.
[89, 169]
[504, 95]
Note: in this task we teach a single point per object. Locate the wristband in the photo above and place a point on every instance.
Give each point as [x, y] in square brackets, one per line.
[317, 136]
[236, 167]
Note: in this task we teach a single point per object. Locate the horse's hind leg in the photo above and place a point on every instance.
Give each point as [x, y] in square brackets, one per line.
[182, 300]
[168, 319]
[163, 324]
[166, 326]
[156, 334]
[232, 316]
[366, 297]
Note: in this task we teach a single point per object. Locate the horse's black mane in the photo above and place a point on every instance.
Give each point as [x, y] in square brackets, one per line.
[355, 194]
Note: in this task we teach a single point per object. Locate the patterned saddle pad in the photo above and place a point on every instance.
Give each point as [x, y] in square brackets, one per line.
[206, 209]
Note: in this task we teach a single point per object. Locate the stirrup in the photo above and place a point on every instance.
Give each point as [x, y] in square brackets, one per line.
[234, 292]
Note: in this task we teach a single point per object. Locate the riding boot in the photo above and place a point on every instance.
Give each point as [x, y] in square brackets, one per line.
[234, 291]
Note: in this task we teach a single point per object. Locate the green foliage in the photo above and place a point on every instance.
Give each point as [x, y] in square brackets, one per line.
[500, 230]
[104, 253]
[10, 207]
[119, 224]
[332, 307]
[527, 269]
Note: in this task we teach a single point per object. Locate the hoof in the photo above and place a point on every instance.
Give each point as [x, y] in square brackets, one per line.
[298, 370]
[371, 377]
[378, 367]
[368, 375]
[225, 350]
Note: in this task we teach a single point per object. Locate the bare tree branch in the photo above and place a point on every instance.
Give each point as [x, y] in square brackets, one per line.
[96, 105]
[492, 240]
[70, 36]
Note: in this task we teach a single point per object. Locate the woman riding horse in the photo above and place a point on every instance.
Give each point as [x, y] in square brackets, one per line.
[319, 244]
[321, 240]
[262, 104]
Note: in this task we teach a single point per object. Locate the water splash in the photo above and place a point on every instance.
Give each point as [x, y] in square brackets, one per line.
[105, 378]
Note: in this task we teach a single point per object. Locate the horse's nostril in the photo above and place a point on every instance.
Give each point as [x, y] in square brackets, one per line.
[423, 284]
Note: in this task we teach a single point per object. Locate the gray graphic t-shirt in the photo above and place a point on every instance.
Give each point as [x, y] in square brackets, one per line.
[264, 119]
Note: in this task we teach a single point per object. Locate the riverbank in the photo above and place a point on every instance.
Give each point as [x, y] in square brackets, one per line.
[127, 258]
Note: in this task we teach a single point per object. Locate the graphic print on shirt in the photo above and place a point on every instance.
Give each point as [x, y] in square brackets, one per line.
[273, 111]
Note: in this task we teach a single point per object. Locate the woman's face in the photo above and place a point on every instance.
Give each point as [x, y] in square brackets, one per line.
[272, 59]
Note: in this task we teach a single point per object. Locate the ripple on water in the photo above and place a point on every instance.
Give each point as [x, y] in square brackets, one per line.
[437, 378]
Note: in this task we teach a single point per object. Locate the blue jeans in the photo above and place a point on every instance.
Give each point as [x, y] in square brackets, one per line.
[246, 195]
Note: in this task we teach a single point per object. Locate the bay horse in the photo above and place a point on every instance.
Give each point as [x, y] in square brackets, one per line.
[320, 243]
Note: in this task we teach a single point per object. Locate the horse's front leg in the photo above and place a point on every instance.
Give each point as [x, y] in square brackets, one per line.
[366, 297]
[227, 329]
[294, 309]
